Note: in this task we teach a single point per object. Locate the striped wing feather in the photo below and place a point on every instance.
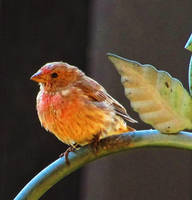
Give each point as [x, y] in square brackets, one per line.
[96, 92]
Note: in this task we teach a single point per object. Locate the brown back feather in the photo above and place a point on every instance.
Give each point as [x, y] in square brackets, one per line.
[95, 91]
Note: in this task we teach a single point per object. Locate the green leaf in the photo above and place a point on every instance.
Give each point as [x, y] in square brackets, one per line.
[188, 46]
[160, 99]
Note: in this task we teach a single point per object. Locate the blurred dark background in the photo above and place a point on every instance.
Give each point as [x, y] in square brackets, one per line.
[80, 33]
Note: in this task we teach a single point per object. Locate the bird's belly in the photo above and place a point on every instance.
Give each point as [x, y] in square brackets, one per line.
[74, 120]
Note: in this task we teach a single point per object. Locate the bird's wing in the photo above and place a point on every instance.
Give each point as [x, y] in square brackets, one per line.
[119, 109]
[97, 92]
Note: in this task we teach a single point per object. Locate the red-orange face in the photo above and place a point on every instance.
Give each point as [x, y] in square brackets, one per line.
[56, 75]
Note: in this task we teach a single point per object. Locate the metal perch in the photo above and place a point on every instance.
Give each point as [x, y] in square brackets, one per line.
[127, 141]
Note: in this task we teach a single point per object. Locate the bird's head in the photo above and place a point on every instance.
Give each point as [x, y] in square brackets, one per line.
[56, 75]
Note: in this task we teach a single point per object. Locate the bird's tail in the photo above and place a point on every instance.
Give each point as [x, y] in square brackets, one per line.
[119, 127]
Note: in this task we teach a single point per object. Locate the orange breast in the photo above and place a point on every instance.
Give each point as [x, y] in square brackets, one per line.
[72, 118]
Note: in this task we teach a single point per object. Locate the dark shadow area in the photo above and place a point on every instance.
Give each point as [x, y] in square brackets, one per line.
[32, 34]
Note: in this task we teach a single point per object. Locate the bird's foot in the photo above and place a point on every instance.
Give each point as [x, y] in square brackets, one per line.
[66, 154]
[95, 142]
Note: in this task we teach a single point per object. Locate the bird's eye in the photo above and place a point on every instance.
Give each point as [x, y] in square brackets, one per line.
[54, 75]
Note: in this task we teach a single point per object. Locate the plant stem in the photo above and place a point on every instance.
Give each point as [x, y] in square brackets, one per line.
[127, 141]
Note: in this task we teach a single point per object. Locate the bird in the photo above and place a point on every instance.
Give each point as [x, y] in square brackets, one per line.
[76, 108]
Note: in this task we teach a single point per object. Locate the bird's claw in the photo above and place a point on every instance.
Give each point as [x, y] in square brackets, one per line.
[66, 154]
[95, 142]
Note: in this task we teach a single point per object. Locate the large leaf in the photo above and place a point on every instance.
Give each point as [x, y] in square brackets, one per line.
[159, 98]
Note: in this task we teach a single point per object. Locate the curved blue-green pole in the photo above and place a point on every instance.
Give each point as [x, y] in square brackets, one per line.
[127, 141]
[188, 46]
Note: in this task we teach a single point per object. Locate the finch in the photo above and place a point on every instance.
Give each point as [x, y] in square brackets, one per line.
[75, 108]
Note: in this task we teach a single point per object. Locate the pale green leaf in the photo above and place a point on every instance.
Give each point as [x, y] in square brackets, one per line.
[159, 98]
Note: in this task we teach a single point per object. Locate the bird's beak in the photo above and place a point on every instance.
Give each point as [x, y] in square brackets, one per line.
[38, 77]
